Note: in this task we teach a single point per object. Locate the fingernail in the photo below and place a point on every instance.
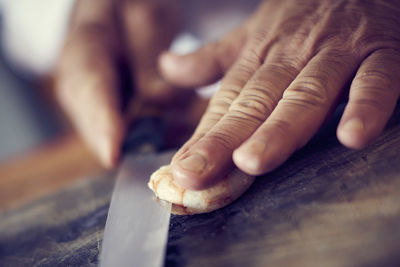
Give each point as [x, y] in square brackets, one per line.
[195, 163]
[353, 125]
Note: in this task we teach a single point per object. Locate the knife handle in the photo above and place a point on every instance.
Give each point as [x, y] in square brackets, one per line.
[145, 135]
[146, 128]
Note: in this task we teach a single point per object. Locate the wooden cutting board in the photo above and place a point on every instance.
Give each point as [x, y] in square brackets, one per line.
[327, 206]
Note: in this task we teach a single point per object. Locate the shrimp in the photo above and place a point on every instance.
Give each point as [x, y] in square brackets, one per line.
[186, 202]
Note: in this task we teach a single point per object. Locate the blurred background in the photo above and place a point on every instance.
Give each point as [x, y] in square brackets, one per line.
[28, 48]
[39, 150]
[27, 116]
[31, 35]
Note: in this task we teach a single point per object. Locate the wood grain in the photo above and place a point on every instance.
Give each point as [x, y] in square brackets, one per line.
[326, 206]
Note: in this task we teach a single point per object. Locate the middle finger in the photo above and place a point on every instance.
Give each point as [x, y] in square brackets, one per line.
[299, 114]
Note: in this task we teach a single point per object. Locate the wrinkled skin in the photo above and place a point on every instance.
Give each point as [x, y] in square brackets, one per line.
[105, 39]
[283, 72]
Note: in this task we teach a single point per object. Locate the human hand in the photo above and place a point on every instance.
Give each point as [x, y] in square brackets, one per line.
[107, 38]
[284, 72]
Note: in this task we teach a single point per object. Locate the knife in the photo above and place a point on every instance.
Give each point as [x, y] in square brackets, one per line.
[137, 224]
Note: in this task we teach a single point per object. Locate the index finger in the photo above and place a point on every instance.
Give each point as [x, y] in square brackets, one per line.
[191, 166]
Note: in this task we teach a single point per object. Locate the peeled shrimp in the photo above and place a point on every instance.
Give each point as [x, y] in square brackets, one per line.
[192, 202]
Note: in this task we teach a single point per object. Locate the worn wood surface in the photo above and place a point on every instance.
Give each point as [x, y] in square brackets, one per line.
[45, 170]
[327, 206]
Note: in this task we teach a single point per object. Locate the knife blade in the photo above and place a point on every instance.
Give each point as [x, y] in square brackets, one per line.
[137, 224]
[130, 239]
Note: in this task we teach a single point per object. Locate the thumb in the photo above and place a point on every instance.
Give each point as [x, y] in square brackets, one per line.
[204, 66]
[148, 28]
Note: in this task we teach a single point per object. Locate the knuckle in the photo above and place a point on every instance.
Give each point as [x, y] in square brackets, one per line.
[373, 76]
[233, 129]
[365, 43]
[288, 63]
[236, 124]
[230, 86]
[251, 108]
[343, 59]
[310, 93]
[234, 82]
[285, 70]
[302, 35]
[215, 112]
[222, 139]
[223, 99]
[289, 55]
[242, 69]
[372, 103]
[251, 57]
[374, 40]
[372, 96]
[338, 54]
[256, 104]
[244, 118]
